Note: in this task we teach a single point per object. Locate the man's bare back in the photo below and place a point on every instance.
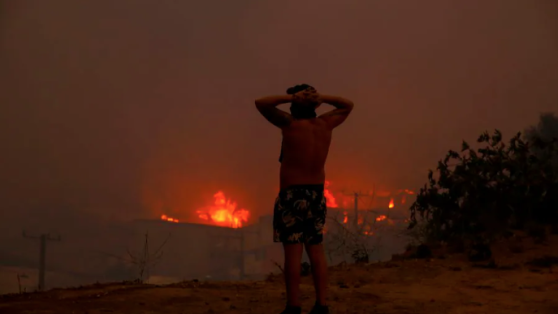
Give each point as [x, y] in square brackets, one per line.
[306, 138]
[305, 149]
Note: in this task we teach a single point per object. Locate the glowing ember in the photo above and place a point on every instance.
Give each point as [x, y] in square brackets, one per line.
[381, 218]
[167, 218]
[391, 205]
[346, 218]
[383, 193]
[330, 200]
[224, 212]
[406, 191]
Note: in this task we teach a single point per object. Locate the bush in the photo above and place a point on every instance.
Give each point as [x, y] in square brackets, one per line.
[491, 189]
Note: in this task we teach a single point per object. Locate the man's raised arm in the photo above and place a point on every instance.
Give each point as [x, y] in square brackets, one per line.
[267, 106]
[342, 109]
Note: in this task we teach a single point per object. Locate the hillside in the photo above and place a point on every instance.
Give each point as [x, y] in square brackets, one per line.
[445, 284]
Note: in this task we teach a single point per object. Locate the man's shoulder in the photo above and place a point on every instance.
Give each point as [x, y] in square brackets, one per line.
[314, 122]
[306, 129]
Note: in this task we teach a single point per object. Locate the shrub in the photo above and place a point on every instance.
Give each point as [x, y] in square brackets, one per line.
[491, 189]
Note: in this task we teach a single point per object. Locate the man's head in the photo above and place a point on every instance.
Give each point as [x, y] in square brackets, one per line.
[305, 101]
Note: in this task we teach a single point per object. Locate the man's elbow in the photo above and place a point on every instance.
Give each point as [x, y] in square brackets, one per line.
[350, 105]
[345, 103]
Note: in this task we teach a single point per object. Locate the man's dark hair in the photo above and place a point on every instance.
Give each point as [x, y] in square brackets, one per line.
[298, 88]
[297, 111]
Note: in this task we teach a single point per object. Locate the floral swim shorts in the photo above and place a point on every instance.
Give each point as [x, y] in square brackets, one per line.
[299, 214]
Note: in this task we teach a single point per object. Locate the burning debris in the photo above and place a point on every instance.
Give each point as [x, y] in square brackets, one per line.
[224, 212]
[169, 219]
[379, 199]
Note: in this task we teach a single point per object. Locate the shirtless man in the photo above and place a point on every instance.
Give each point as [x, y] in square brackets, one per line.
[300, 209]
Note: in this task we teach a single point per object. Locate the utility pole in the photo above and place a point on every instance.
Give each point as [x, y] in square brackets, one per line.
[43, 238]
[356, 195]
[356, 210]
[242, 257]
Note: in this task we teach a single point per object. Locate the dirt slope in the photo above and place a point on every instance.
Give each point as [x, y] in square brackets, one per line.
[449, 285]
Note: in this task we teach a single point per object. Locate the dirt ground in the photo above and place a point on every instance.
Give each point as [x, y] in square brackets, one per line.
[448, 285]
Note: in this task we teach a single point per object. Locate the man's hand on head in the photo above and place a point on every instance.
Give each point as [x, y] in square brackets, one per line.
[307, 97]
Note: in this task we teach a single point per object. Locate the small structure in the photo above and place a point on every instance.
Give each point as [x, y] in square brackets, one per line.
[200, 251]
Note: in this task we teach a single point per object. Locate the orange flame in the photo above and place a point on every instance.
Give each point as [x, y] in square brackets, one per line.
[391, 205]
[169, 219]
[381, 218]
[224, 212]
[330, 200]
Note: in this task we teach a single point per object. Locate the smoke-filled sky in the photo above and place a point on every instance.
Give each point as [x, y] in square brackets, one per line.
[131, 108]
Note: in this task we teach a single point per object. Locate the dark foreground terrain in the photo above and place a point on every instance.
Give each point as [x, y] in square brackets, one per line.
[450, 285]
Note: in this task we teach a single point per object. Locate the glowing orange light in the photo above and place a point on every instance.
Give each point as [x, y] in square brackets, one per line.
[169, 219]
[383, 193]
[381, 218]
[367, 231]
[330, 200]
[224, 212]
[391, 204]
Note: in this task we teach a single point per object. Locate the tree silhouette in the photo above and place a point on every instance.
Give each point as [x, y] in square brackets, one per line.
[488, 190]
[546, 130]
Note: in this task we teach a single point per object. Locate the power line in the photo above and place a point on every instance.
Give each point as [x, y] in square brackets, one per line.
[43, 238]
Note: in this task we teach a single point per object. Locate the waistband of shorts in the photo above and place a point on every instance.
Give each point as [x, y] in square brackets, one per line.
[307, 187]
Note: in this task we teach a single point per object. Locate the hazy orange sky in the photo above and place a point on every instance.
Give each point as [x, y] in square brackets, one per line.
[124, 107]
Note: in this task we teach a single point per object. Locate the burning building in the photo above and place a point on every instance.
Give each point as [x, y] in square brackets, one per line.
[223, 246]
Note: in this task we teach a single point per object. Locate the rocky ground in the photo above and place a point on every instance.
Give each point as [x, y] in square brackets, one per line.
[522, 278]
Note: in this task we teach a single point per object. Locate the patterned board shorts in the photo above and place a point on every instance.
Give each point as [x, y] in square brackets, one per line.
[299, 214]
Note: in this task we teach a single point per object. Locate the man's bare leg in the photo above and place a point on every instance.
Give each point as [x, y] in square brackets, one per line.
[293, 257]
[317, 257]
